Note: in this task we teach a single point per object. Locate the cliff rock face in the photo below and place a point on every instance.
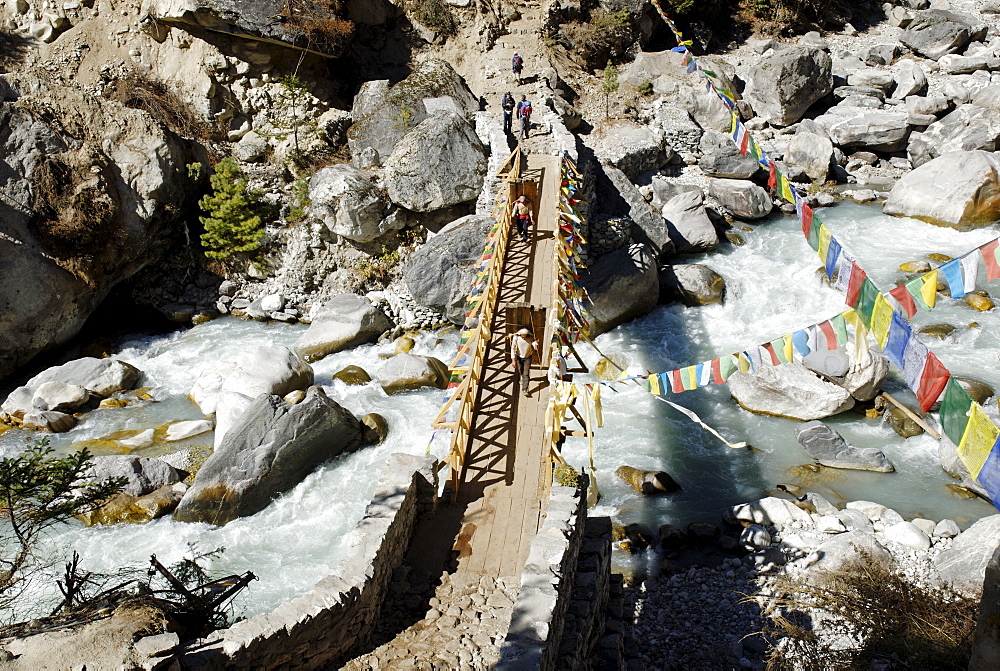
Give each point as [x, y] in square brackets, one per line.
[84, 190]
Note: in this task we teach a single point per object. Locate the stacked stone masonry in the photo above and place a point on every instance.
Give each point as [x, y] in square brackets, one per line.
[313, 630]
[536, 626]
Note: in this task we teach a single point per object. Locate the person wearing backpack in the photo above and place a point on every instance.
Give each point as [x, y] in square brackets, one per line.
[524, 115]
[507, 103]
[523, 218]
[516, 65]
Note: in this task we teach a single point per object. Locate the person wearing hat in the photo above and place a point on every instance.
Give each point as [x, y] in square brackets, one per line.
[522, 346]
[523, 217]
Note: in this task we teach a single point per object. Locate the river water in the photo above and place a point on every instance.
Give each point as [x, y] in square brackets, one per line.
[773, 288]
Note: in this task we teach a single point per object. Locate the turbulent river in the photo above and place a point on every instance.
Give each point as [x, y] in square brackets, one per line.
[773, 288]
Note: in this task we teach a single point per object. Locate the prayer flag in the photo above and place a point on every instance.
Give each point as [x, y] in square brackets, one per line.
[787, 351]
[832, 254]
[770, 348]
[839, 325]
[905, 300]
[727, 366]
[933, 379]
[743, 362]
[917, 286]
[830, 334]
[858, 277]
[654, 385]
[689, 378]
[952, 271]
[881, 318]
[844, 265]
[978, 440]
[914, 357]
[805, 216]
[815, 234]
[991, 259]
[824, 242]
[801, 340]
[899, 336]
[955, 406]
[989, 474]
[740, 135]
[866, 302]
[676, 384]
[785, 188]
[772, 176]
[664, 383]
[970, 271]
[705, 374]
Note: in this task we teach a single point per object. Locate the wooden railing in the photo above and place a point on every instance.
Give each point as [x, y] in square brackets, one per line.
[485, 309]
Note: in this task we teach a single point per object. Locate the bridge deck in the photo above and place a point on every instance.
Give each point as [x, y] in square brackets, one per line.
[506, 479]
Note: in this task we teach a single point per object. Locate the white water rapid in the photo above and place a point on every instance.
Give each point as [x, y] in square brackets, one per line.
[773, 288]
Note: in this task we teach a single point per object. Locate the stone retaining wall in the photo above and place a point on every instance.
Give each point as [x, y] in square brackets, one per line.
[536, 625]
[584, 625]
[319, 627]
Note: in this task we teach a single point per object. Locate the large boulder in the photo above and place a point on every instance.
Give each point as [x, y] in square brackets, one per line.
[934, 32]
[389, 113]
[262, 369]
[622, 286]
[875, 129]
[783, 86]
[909, 80]
[690, 228]
[438, 164]
[345, 321]
[99, 377]
[142, 474]
[744, 199]
[274, 447]
[766, 511]
[440, 273]
[692, 284]
[844, 549]
[830, 449]
[618, 197]
[115, 178]
[632, 148]
[406, 372]
[789, 390]
[967, 128]
[349, 204]
[809, 154]
[960, 189]
[721, 158]
[964, 563]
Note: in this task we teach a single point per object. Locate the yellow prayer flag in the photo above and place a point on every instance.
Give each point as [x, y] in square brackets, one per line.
[689, 378]
[789, 349]
[881, 318]
[598, 407]
[824, 242]
[744, 362]
[654, 385]
[977, 441]
[929, 289]
[860, 334]
[785, 189]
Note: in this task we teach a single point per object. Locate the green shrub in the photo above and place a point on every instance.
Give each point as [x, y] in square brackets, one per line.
[646, 87]
[232, 225]
[433, 14]
[300, 200]
[567, 476]
[378, 269]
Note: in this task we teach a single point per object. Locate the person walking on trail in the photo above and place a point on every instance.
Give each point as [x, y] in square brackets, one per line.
[507, 103]
[522, 346]
[524, 116]
[516, 65]
[523, 217]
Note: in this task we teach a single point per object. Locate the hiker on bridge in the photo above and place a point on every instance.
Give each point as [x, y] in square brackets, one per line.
[522, 347]
[524, 116]
[507, 103]
[523, 217]
[516, 65]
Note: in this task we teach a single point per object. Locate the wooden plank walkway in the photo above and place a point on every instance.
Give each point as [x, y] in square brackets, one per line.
[506, 480]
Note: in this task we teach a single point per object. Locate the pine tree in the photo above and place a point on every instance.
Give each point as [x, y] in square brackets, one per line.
[609, 86]
[231, 225]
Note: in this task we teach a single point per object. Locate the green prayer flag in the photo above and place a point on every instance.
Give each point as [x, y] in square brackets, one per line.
[840, 326]
[866, 302]
[955, 406]
[914, 286]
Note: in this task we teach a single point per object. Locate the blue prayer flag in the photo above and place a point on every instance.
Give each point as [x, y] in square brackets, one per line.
[952, 272]
[832, 254]
[899, 337]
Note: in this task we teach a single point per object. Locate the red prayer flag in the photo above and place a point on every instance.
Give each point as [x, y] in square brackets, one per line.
[717, 372]
[772, 177]
[831, 335]
[807, 219]
[989, 252]
[676, 385]
[858, 277]
[932, 382]
[775, 361]
[902, 295]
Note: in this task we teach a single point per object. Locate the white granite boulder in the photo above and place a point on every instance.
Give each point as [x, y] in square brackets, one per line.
[959, 189]
[343, 322]
[348, 203]
[406, 372]
[790, 390]
[744, 199]
[830, 449]
[784, 85]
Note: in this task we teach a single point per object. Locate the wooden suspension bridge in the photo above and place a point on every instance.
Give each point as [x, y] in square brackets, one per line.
[503, 445]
